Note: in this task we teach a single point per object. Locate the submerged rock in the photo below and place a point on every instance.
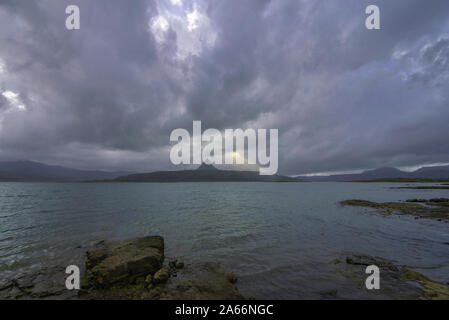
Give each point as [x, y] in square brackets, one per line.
[48, 283]
[202, 281]
[364, 260]
[396, 281]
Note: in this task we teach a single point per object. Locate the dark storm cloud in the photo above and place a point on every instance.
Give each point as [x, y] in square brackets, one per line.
[108, 95]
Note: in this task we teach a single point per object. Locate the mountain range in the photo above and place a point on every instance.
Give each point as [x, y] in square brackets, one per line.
[436, 173]
[38, 172]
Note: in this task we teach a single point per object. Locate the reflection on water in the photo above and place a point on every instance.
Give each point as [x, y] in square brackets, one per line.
[278, 237]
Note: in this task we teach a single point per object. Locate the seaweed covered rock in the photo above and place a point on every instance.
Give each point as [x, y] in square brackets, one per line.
[397, 281]
[437, 209]
[432, 290]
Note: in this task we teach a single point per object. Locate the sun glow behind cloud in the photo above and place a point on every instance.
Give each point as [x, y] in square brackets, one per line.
[14, 100]
[176, 3]
[159, 27]
[192, 26]
[193, 19]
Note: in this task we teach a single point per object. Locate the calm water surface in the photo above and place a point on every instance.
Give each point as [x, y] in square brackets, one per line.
[278, 237]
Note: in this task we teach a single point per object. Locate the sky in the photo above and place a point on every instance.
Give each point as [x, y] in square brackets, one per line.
[108, 96]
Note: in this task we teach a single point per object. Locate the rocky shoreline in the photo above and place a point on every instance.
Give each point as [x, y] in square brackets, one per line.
[437, 209]
[399, 281]
[441, 187]
[131, 269]
[137, 269]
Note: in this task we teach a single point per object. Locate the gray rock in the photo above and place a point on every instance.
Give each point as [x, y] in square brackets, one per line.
[149, 279]
[364, 260]
[202, 281]
[161, 276]
[124, 261]
[172, 263]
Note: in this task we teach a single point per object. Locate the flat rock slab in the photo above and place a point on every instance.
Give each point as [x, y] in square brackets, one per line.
[202, 281]
[124, 261]
[396, 281]
[48, 283]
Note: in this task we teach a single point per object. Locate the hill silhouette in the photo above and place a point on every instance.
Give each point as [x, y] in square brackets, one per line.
[31, 171]
[431, 173]
[205, 173]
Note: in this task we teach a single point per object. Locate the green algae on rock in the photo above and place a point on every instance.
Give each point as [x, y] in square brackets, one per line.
[432, 290]
[397, 281]
[434, 208]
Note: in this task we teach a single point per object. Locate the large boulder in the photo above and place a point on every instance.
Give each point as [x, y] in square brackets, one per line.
[124, 261]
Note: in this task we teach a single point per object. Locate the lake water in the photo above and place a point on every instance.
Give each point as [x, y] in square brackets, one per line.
[277, 237]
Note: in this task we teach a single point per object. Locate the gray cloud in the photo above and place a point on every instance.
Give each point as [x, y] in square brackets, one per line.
[108, 96]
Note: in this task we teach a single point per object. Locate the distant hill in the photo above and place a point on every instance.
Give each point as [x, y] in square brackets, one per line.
[205, 173]
[39, 172]
[430, 173]
[441, 172]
